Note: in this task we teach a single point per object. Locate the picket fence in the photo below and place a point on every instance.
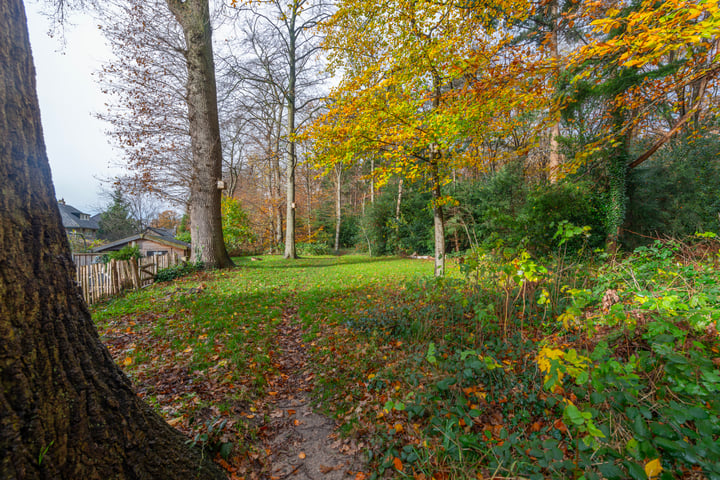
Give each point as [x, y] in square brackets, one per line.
[102, 280]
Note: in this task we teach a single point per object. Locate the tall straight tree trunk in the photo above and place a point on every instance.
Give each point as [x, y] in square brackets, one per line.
[278, 180]
[398, 204]
[554, 157]
[338, 206]
[372, 181]
[290, 251]
[66, 409]
[438, 217]
[206, 234]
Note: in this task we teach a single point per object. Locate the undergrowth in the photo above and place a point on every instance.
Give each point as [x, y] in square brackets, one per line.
[556, 369]
[512, 366]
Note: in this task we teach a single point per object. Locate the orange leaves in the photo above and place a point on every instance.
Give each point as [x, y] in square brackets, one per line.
[399, 94]
[397, 463]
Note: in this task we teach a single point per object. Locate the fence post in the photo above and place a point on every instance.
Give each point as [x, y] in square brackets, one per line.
[135, 265]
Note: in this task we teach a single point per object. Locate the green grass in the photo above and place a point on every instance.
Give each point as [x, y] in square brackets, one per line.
[217, 330]
[445, 378]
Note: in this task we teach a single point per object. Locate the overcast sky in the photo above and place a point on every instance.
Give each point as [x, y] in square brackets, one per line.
[78, 150]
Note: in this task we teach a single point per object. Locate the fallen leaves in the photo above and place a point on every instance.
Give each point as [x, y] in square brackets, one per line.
[653, 469]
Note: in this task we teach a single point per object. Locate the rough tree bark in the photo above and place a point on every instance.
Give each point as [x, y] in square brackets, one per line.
[66, 410]
[206, 235]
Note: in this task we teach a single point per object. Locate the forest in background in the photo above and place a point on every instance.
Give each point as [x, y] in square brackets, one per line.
[421, 128]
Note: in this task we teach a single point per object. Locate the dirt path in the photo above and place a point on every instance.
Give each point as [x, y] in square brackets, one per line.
[302, 444]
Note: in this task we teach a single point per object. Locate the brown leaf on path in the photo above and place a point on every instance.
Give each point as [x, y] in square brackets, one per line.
[301, 455]
[325, 469]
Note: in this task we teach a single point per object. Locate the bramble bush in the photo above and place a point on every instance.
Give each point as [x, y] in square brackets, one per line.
[546, 369]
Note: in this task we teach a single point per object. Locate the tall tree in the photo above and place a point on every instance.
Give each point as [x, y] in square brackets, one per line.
[116, 221]
[66, 410]
[420, 80]
[285, 32]
[201, 95]
[166, 114]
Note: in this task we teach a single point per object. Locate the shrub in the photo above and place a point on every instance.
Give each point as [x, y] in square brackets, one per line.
[125, 253]
[306, 248]
[177, 271]
[235, 225]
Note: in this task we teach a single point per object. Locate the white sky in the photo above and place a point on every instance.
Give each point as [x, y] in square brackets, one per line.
[77, 147]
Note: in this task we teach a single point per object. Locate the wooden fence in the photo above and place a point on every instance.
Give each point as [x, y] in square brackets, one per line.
[102, 280]
[83, 259]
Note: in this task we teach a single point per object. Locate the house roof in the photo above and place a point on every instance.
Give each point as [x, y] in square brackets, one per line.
[153, 234]
[74, 218]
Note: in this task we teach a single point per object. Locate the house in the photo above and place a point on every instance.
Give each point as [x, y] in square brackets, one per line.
[152, 241]
[78, 225]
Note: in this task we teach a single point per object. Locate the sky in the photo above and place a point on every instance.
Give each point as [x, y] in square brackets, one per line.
[69, 95]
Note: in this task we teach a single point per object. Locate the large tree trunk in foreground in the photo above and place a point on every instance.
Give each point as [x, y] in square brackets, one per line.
[206, 235]
[66, 410]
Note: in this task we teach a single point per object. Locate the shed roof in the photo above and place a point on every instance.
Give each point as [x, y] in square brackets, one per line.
[148, 234]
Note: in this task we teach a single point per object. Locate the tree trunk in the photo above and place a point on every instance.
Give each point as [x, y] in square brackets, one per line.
[438, 216]
[372, 181]
[66, 410]
[206, 234]
[290, 251]
[278, 180]
[555, 158]
[398, 204]
[617, 194]
[338, 206]
[439, 223]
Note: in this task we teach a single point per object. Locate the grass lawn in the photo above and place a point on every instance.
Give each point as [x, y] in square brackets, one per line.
[509, 369]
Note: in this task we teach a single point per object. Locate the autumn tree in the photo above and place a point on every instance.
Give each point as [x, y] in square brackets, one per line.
[283, 39]
[68, 412]
[653, 64]
[167, 219]
[255, 110]
[422, 83]
[145, 83]
[167, 92]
